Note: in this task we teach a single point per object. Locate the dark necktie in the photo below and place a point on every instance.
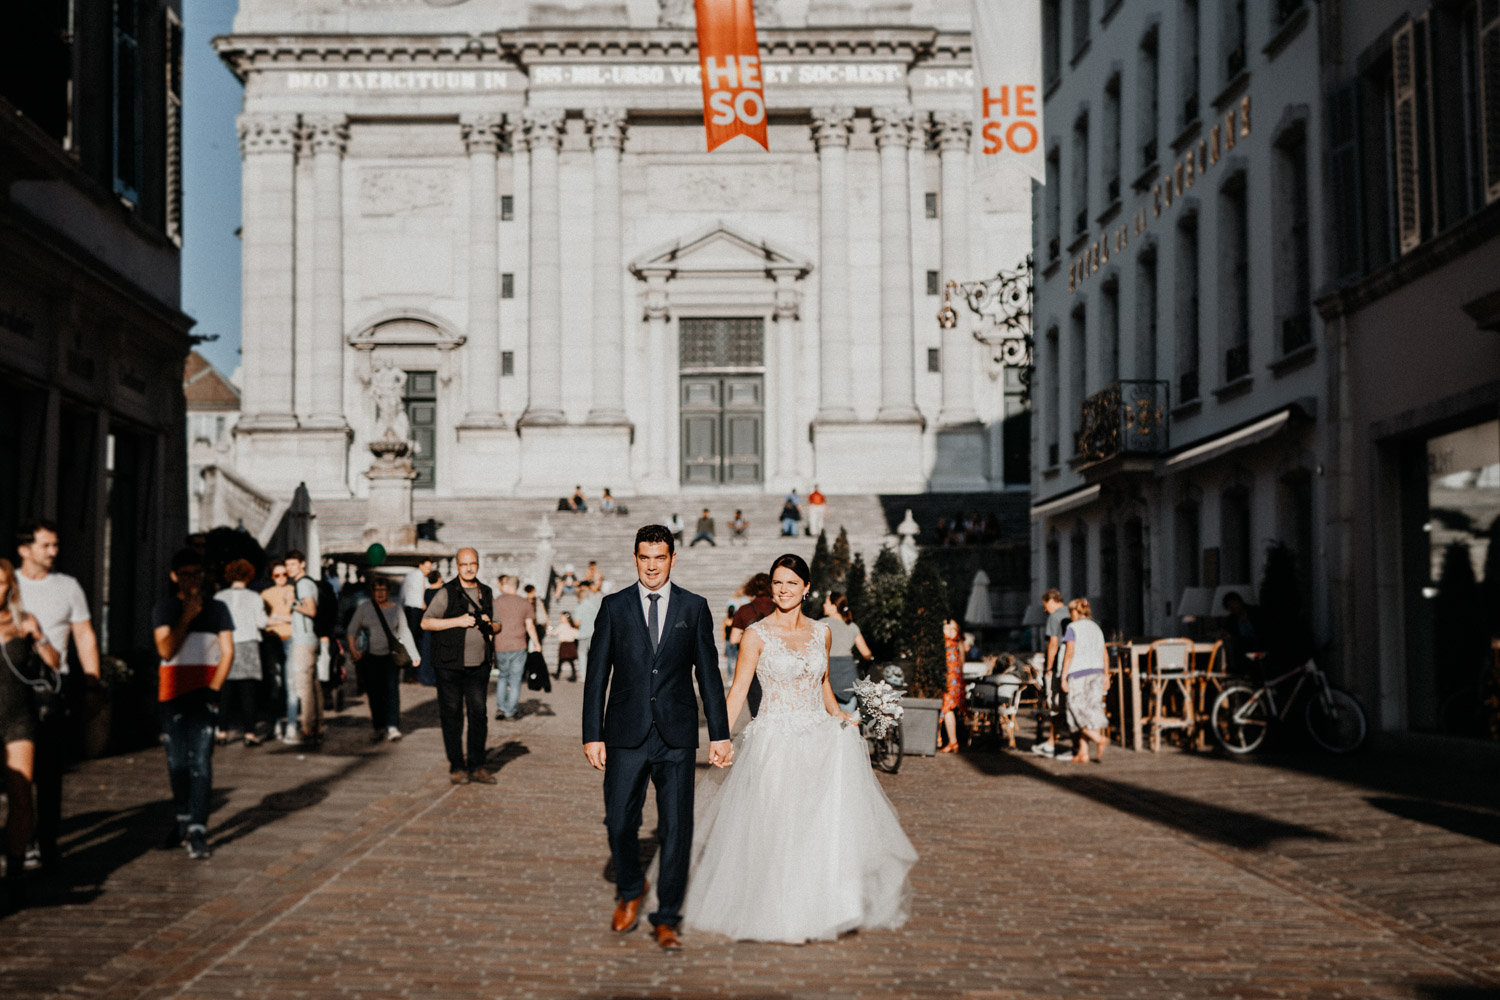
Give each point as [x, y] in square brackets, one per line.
[652, 624]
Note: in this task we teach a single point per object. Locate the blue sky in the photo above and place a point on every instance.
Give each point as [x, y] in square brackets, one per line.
[211, 183]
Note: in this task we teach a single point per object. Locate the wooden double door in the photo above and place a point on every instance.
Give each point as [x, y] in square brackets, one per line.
[723, 429]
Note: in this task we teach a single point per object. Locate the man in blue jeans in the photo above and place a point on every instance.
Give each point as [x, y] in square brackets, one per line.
[194, 635]
[517, 628]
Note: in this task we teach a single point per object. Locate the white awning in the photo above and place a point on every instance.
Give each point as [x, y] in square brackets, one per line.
[1207, 451]
[1068, 501]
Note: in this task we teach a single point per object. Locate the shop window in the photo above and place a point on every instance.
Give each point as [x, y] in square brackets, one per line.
[1234, 539]
[1078, 561]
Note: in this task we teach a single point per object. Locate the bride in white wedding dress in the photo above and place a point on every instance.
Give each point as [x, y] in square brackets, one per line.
[800, 842]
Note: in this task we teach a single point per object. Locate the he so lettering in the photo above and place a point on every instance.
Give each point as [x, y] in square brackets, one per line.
[734, 73]
[1018, 136]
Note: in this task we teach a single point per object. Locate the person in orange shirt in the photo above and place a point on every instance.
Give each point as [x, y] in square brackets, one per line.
[194, 635]
[817, 508]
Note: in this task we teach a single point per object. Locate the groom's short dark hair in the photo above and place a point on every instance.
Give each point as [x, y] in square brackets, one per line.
[653, 534]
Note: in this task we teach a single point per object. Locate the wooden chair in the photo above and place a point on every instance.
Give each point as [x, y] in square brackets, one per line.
[1169, 671]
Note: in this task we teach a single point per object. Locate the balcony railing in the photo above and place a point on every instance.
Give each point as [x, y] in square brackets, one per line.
[1128, 417]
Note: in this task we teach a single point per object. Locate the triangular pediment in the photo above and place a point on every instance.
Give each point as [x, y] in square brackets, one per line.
[720, 250]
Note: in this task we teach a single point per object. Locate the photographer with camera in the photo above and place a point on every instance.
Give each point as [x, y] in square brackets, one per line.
[461, 616]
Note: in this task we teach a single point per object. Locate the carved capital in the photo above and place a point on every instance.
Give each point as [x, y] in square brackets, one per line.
[893, 126]
[481, 132]
[657, 304]
[267, 133]
[953, 129]
[544, 127]
[606, 127]
[326, 133]
[831, 126]
[788, 304]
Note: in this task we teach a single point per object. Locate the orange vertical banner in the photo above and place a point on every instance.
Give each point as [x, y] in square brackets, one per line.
[734, 102]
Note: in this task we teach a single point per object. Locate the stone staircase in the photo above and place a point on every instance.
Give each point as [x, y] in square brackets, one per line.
[504, 532]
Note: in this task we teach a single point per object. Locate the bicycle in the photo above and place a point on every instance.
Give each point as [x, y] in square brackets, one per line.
[885, 751]
[1242, 715]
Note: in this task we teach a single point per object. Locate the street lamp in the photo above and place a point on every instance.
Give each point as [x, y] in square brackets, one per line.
[1004, 300]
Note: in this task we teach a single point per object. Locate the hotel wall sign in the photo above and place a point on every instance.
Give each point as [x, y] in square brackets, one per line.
[1193, 164]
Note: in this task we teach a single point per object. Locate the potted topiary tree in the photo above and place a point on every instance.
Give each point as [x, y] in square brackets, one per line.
[923, 611]
[820, 583]
[879, 610]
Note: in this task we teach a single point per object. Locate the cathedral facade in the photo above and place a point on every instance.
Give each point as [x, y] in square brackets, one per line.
[509, 204]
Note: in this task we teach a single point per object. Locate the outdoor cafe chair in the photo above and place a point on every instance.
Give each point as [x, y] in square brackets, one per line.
[1169, 672]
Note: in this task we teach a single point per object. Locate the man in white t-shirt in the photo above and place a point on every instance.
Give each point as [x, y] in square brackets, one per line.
[62, 610]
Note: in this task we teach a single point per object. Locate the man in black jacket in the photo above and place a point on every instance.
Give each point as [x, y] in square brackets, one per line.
[462, 615]
[649, 641]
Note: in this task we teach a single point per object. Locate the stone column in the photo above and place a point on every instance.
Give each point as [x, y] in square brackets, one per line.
[607, 137]
[831, 136]
[481, 133]
[953, 130]
[544, 129]
[657, 314]
[328, 135]
[268, 145]
[787, 318]
[897, 383]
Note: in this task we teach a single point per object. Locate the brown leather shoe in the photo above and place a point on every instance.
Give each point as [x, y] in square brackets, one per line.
[458, 777]
[627, 911]
[667, 939]
[482, 776]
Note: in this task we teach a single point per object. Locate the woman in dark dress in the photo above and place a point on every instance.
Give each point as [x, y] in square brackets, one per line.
[25, 657]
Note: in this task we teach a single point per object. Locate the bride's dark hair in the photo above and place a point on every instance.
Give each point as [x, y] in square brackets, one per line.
[795, 563]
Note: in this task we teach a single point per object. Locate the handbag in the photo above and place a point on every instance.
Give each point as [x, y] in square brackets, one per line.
[399, 655]
[47, 692]
[537, 678]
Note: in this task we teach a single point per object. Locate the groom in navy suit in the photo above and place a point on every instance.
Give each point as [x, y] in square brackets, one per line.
[648, 642]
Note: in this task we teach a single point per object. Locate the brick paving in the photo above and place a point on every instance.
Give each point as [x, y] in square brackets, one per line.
[360, 872]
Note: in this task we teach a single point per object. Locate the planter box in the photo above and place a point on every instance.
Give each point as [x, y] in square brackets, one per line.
[919, 725]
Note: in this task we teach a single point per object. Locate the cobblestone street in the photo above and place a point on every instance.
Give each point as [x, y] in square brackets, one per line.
[360, 872]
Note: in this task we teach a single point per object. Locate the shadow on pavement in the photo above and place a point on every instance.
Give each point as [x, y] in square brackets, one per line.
[1448, 991]
[275, 805]
[1455, 819]
[99, 843]
[1200, 819]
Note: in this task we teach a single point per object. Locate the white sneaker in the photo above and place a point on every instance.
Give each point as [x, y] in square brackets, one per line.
[393, 734]
[292, 739]
[1044, 749]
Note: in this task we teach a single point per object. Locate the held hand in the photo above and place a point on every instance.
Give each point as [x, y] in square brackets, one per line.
[465, 621]
[29, 627]
[192, 604]
[721, 753]
[594, 753]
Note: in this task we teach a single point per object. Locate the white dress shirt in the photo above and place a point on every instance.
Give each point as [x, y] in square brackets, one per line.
[661, 606]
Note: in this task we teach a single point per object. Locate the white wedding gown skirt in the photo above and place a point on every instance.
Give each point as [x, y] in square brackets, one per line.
[796, 841]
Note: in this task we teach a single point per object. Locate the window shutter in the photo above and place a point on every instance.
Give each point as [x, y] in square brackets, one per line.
[1488, 13]
[1404, 83]
[1343, 157]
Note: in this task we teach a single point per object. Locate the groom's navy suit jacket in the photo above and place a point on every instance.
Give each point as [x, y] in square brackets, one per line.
[645, 687]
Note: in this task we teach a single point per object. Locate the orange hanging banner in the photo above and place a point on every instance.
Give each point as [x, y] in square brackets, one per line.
[733, 101]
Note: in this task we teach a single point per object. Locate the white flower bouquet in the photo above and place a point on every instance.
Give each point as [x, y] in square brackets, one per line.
[879, 704]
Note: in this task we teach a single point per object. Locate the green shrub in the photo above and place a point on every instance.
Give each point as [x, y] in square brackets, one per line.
[880, 618]
[854, 587]
[838, 563]
[922, 615]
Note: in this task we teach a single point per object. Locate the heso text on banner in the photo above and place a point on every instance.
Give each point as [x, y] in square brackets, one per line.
[1008, 86]
[734, 102]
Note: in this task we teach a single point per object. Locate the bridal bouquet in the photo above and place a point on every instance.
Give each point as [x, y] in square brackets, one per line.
[879, 703]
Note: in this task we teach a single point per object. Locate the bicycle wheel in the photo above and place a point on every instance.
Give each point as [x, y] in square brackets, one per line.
[1239, 719]
[1336, 723]
[885, 751]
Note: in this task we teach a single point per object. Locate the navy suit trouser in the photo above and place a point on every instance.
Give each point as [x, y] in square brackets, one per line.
[671, 770]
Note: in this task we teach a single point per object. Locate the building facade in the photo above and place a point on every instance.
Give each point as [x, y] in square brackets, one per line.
[1413, 313]
[511, 205]
[92, 341]
[1182, 388]
[213, 409]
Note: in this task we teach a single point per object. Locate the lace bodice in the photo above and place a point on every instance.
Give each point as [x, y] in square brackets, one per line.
[791, 669]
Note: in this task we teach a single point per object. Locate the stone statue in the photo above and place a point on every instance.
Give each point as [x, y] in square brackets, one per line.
[387, 382]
